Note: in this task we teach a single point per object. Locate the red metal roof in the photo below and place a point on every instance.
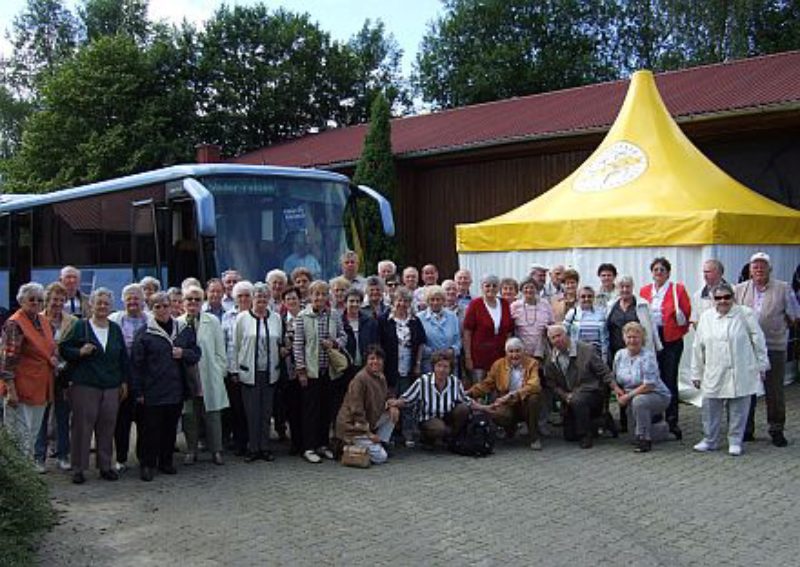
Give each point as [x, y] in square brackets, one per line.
[758, 82]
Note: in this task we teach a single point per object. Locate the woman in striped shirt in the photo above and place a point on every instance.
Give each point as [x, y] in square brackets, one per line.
[587, 322]
[443, 406]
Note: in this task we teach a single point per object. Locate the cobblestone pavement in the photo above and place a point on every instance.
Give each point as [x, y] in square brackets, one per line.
[561, 506]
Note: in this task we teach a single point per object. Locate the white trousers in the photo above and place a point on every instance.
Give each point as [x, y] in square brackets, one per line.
[24, 422]
[713, 409]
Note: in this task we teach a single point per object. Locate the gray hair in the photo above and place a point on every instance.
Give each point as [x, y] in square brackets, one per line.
[375, 281]
[69, 270]
[515, 343]
[100, 292]
[260, 288]
[723, 286]
[159, 297]
[490, 279]
[626, 279]
[387, 263]
[557, 327]
[30, 289]
[196, 289]
[133, 289]
[403, 292]
[434, 290]
[275, 275]
[242, 286]
[717, 265]
[150, 281]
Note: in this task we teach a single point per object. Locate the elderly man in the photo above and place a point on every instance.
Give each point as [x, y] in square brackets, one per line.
[702, 299]
[538, 276]
[76, 304]
[350, 263]
[463, 279]
[229, 279]
[575, 373]
[514, 380]
[555, 287]
[775, 306]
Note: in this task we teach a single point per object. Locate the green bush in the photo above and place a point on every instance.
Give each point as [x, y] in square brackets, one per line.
[25, 508]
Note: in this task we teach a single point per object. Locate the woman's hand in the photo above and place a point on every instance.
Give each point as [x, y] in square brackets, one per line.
[123, 392]
[374, 438]
[302, 377]
[696, 384]
[11, 395]
[327, 344]
[623, 400]
[177, 353]
[468, 363]
[87, 349]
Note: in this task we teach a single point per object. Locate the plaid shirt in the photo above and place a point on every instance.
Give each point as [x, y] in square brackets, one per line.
[323, 332]
[13, 338]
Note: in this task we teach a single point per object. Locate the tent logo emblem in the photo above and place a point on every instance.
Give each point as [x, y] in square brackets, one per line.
[618, 164]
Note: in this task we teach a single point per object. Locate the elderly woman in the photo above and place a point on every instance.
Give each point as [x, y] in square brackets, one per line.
[670, 310]
[487, 326]
[638, 387]
[627, 308]
[31, 357]
[277, 280]
[175, 295]
[291, 393]
[531, 317]
[339, 288]
[565, 300]
[257, 338]
[234, 422]
[364, 419]
[509, 290]
[208, 402]
[54, 297]
[362, 331]
[317, 330]
[402, 337]
[150, 285]
[130, 320]
[729, 357]
[451, 302]
[95, 349]
[442, 329]
[586, 322]
[375, 305]
[301, 279]
[161, 351]
[442, 404]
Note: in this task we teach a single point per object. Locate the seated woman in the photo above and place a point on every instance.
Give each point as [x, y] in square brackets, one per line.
[639, 388]
[364, 419]
[443, 406]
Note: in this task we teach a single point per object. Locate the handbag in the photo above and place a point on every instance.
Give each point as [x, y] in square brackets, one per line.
[191, 378]
[339, 362]
[354, 456]
[680, 317]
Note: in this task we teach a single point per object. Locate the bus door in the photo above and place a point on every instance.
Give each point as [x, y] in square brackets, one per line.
[184, 249]
[146, 249]
[21, 261]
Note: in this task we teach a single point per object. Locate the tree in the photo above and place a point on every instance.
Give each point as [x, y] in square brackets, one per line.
[483, 50]
[113, 109]
[376, 169]
[43, 36]
[115, 17]
[13, 113]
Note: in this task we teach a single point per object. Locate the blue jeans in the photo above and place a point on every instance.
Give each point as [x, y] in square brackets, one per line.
[62, 413]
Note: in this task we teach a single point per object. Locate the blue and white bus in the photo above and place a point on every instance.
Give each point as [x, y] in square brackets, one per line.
[186, 220]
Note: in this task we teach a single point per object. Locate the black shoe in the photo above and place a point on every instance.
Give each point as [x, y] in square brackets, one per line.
[586, 442]
[168, 469]
[643, 446]
[748, 438]
[266, 456]
[146, 474]
[676, 431]
[778, 439]
[78, 478]
[251, 457]
[388, 448]
[240, 453]
[294, 451]
[611, 426]
[110, 474]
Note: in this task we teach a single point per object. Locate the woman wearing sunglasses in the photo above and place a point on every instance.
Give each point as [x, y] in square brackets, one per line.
[729, 357]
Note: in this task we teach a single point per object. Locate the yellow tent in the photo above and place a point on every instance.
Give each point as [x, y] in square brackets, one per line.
[645, 185]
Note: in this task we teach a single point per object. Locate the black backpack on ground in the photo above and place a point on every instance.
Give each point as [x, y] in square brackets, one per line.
[476, 437]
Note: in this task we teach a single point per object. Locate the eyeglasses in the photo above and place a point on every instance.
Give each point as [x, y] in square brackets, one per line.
[35, 300]
[726, 297]
[192, 299]
[160, 305]
[392, 284]
[587, 296]
[490, 285]
[659, 269]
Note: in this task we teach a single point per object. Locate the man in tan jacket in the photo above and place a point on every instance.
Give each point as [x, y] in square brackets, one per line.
[514, 380]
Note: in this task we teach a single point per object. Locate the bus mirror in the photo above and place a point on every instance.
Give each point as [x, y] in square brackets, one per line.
[384, 207]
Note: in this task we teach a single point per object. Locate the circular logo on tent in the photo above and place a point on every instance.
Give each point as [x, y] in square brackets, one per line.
[618, 164]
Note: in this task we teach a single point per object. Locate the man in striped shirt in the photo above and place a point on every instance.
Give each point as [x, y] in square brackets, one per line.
[443, 406]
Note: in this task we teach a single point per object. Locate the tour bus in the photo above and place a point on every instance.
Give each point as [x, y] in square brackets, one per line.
[181, 221]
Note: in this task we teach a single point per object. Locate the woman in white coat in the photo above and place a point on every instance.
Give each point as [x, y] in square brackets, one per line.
[211, 398]
[728, 359]
[257, 337]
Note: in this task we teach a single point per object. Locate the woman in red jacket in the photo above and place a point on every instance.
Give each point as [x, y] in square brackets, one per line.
[672, 324]
[487, 326]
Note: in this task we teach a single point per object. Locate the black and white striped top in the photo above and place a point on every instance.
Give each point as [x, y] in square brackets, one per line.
[431, 402]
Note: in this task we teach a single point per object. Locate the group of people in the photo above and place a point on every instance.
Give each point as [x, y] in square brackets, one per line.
[384, 360]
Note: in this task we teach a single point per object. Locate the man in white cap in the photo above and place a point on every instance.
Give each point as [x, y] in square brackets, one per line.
[776, 306]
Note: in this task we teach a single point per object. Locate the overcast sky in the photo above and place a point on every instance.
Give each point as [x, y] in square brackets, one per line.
[405, 19]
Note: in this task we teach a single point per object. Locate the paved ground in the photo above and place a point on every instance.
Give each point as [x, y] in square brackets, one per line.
[563, 506]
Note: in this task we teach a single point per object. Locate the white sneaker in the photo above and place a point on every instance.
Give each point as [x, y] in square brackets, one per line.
[120, 467]
[704, 447]
[64, 465]
[735, 450]
[536, 445]
[325, 453]
[312, 457]
[39, 467]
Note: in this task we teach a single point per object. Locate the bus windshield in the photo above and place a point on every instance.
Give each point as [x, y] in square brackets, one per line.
[272, 222]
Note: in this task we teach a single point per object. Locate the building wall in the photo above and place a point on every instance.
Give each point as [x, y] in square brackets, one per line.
[436, 194]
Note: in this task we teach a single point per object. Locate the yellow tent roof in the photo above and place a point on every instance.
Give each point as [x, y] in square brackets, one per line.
[645, 185]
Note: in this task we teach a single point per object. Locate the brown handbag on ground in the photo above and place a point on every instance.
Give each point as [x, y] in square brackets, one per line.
[353, 456]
